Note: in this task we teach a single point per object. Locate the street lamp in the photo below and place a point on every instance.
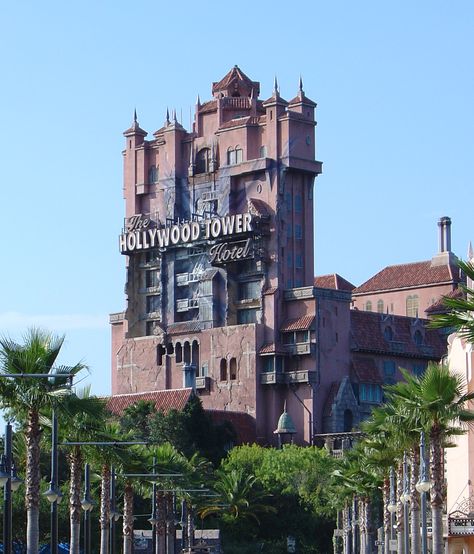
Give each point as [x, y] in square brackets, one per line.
[10, 482]
[87, 504]
[53, 495]
[405, 498]
[423, 486]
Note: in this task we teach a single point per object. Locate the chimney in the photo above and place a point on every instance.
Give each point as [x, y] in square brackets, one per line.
[444, 255]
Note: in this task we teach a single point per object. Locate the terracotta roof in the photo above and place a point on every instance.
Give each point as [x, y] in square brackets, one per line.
[303, 98]
[439, 307]
[243, 423]
[365, 370]
[333, 281]
[258, 207]
[298, 324]
[367, 336]
[233, 74]
[271, 348]
[210, 106]
[238, 122]
[409, 275]
[184, 327]
[164, 400]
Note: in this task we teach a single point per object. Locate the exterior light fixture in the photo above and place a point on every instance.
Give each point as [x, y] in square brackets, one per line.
[87, 504]
[51, 494]
[4, 476]
[392, 506]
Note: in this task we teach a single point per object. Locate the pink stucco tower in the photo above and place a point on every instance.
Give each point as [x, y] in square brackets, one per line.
[218, 239]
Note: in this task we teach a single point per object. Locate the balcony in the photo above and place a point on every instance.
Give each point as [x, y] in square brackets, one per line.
[271, 378]
[183, 279]
[203, 383]
[187, 304]
[299, 348]
[301, 376]
[209, 196]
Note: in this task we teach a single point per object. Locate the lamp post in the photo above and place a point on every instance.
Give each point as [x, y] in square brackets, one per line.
[405, 498]
[53, 494]
[153, 519]
[5, 479]
[87, 505]
[392, 505]
[114, 515]
[423, 486]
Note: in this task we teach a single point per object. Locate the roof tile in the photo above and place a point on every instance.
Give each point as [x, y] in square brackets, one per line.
[164, 400]
[298, 324]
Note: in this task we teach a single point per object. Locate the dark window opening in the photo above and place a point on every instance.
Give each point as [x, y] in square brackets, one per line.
[223, 370]
[233, 369]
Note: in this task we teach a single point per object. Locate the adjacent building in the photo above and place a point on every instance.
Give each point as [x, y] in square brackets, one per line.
[221, 298]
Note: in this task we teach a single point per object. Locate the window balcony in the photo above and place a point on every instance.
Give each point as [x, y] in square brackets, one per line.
[183, 279]
[271, 378]
[203, 383]
[299, 348]
[187, 304]
[301, 376]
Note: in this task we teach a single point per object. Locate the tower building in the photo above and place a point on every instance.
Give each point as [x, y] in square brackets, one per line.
[221, 297]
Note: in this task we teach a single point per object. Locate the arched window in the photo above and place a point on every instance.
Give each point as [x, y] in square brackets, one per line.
[388, 333]
[187, 353]
[223, 370]
[195, 355]
[203, 160]
[412, 306]
[153, 174]
[230, 156]
[233, 369]
[170, 349]
[348, 421]
[160, 352]
[380, 306]
[239, 155]
[418, 337]
[178, 353]
[368, 306]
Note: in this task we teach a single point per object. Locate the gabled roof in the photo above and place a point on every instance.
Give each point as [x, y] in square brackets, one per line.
[272, 348]
[439, 306]
[333, 281]
[409, 275]
[367, 330]
[164, 400]
[235, 74]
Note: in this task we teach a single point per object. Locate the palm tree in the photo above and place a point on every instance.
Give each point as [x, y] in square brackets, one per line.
[83, 422]
[460, 314]
[26, 397]
[438, 403]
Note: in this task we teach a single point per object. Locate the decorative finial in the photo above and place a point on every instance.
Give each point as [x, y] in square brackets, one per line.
[470, 253]
[284, 406]
[301, 85]
[198, 101]
[251, 93]
[275, 87]
[167, 116]
[174, 116]
[135, 116]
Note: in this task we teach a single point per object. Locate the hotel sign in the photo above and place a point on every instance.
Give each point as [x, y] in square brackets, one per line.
[142, 234]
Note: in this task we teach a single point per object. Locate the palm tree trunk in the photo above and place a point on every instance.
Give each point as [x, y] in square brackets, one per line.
[170, 525]
[190, 513]
[128, 518]
[415, 501]
[362, 525]
[387, 516]
[355, 516]
[346, 540]
[400, 526]
[437, 494]
[104, 509]
[161, 524]
[32, 495]
[75, 470]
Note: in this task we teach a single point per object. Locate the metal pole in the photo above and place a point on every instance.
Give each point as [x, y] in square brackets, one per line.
[406, 530]
[113, 511]
[54, 485]
[7, 492]
[153, 514]
[424, 530]
[87, 529]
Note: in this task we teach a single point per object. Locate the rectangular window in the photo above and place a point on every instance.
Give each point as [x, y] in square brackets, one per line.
[298, 232]
[298, 261]
[289, 260]
[370, 393]
[289, 203]
[152, 279]
[389, 368]
[288, 338]
[152, 256]
[153, 303]
[298, 204]
[268, 364]
[249, 290]
[419, 369]
[289, 230]
[289, 283]
[302, 336]
[247, 316]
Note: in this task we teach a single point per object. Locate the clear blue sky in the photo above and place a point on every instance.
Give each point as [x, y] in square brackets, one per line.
[394, 86]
